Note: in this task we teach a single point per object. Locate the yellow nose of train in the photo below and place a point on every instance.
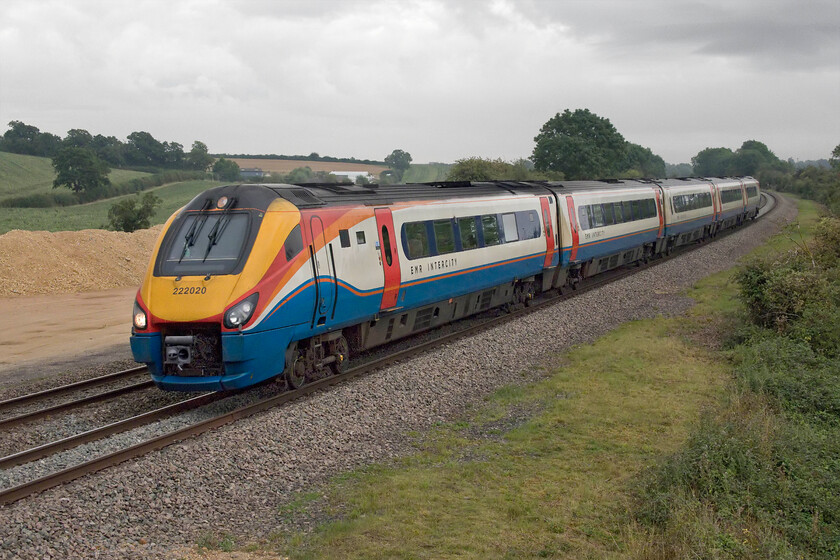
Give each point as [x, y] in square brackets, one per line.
[212, 261]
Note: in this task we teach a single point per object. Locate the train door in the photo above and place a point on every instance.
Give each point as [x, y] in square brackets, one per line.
[323, 271]
[390, 259]
[570, 204]
[660, 207]
[549, 232]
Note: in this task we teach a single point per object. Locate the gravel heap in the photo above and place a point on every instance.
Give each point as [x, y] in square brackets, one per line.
[43, 262]
[235, 478]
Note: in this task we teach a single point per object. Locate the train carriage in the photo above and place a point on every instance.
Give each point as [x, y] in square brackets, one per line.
[752, 191]
[732, 201]
[690, 207]
[607, 224]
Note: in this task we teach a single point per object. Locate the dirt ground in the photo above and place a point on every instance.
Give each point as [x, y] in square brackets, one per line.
[66, 298]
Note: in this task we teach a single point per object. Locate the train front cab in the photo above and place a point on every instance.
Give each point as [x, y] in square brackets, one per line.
[211, 278]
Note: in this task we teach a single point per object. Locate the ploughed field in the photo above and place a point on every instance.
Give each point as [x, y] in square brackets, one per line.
[287, 165]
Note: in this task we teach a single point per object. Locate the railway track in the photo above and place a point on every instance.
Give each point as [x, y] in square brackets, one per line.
[85, 386]
[12, 494]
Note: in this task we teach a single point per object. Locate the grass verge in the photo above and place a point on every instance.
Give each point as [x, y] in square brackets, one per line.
[660, 440]
[540, 470]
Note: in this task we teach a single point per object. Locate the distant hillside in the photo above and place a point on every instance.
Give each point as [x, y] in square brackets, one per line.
[95, 214]
[313, 157]
[285, 166]
[22, 175]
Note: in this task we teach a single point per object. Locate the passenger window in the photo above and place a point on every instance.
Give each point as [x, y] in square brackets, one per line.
[583, 218]
[619, 219]
[360, 237]
[528, 224]
[417, 240]
[469, 233]
[386, 245]
[627, 210]
[638, 211]
[490, 229]
[509, 223]
[444, 236]
[597, 216]
[293, 244]
[609, 217]
[651, 203]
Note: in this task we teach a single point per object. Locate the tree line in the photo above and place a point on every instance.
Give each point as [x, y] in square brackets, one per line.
[579, 144]
[140, 150]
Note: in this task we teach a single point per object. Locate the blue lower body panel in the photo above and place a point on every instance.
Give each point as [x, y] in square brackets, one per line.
[249, 358]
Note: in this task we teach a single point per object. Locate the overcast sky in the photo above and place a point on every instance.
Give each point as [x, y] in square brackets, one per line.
[442, 80]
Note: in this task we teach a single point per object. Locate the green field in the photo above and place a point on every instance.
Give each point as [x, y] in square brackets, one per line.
[426, 172]
[25, 175]
[95, 214]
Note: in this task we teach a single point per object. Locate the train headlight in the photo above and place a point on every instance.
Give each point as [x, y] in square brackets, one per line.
[240, 313]
[140, 322]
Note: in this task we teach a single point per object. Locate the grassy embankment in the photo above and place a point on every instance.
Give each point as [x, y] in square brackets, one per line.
[597, 460]
[25, 175]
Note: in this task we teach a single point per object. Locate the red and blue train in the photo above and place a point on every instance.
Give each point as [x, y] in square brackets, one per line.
[249, 282]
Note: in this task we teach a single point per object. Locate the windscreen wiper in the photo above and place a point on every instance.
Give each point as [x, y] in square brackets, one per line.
[219, 228]
[195, 229]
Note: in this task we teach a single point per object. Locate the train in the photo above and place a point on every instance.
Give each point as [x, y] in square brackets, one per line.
[249, 282]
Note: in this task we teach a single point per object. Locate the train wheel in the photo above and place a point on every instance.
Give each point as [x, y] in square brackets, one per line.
[296, 375]
[341, 351]
[530, 294]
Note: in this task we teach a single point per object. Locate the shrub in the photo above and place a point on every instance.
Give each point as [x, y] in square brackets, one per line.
[133, 213]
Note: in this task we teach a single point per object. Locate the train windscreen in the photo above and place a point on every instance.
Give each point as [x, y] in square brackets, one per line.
[206, 243]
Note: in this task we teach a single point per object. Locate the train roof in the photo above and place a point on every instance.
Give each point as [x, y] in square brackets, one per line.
[314, 195]
[309, 195]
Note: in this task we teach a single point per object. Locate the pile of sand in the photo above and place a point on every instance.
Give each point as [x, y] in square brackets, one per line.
[42, 262]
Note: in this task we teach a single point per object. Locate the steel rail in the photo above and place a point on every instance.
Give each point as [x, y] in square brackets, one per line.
[13, 494]
[84, 384]
[120, 426]
[29, 416]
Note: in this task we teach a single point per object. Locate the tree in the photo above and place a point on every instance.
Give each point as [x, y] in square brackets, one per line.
[199, 158]
[77, 138]
[143, 149]
[109, 149]
[712, 162]
[579, 144]
[399, 161]
[480, 169]
[642, 162]
[81, 171]
[173, 155]
[133, 213]
[226, 169]
[27, 139]
[834, 160]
